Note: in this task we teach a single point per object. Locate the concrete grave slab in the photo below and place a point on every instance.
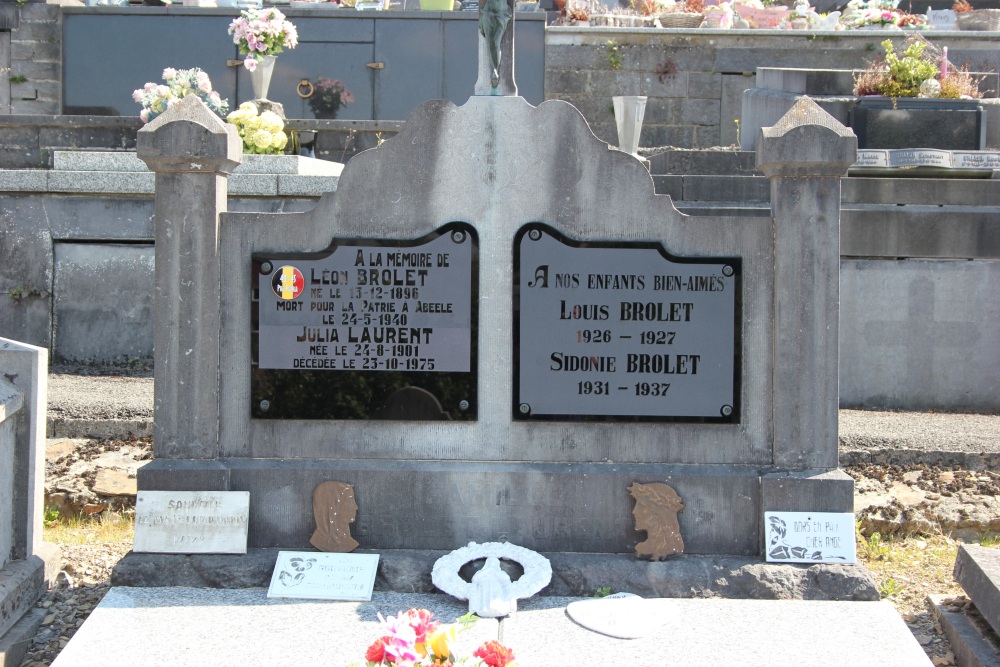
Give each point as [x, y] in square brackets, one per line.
[174, 627]
[717, 633]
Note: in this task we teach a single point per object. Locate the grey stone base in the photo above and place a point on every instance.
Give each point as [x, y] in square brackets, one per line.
[547, 507]
[973, 645]
[572, 575]
[14, 644]
[22, 583]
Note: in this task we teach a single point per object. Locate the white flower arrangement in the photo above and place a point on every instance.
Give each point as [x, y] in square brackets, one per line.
[262, 134]
[157, 98]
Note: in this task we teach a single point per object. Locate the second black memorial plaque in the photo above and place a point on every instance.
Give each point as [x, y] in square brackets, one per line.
[618, 331]
[368, 329]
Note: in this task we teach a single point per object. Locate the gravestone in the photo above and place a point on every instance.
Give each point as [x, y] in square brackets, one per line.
[27, 564]
[579, 334]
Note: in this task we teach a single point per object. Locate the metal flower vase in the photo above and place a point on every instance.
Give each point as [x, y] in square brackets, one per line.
[261, 77]
[629, 111]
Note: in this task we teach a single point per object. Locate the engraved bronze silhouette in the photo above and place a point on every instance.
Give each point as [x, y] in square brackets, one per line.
[334, 509]
[656, 508]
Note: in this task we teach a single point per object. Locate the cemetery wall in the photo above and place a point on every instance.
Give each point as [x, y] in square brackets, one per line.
[36, 55]
[695, 79]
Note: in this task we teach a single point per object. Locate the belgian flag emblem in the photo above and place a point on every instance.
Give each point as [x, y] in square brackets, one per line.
[288, 283]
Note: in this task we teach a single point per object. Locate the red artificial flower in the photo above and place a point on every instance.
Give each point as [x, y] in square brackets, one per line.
[495, 654]
[376, 652]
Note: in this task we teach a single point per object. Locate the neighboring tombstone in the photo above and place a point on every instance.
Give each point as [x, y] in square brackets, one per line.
[27, 564]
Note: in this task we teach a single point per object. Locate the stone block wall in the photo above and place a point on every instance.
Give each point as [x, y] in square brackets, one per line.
[695, 79]
[36, 55]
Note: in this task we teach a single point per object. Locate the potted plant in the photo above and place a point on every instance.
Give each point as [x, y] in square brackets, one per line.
[916, 98]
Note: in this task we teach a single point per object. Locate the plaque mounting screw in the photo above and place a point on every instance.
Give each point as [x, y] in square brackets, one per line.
[265, 405]
[524, 408]
[463, 405]
[727, 270]
[727, 410]
[265, 268]
[458, 237]
[534, 235]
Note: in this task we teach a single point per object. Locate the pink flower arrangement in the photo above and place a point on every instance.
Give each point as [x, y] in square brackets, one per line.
[415, 639]
[157, 98]
[262, 32]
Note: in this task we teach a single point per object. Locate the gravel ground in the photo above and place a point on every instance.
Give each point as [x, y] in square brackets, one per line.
[82, 392]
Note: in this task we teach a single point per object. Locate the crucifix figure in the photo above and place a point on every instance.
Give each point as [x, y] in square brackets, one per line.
[496, 48]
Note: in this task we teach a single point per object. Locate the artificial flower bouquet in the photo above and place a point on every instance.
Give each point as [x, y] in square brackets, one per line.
[415, 639]
[262, 32]
[262, 134]
[157, 98]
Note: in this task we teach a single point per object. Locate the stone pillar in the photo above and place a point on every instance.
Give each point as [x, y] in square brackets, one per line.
[192, 152]
[25, 369]
[805, 155]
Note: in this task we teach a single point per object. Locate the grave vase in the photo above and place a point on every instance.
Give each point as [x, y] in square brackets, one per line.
[261, 77]
[629, 111]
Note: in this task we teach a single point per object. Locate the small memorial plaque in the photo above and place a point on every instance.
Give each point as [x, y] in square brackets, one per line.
[312, 575]
[810, 537]
[872, 158]
[368, 329]
[985, 160]
[923, 157]
[191, 522]
[623, 331]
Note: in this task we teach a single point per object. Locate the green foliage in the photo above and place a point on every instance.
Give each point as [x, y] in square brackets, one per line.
[19, 292]
[51, 516]
[890, 587]
[871, 548]
[989, 540]
[18, 78]
[615, 53]
[907, 73]
[603, 592]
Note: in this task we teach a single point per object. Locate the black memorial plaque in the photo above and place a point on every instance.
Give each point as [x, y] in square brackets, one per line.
[616, 331]
[368, 329]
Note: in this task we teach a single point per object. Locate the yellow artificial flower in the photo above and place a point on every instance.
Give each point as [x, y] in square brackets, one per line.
[442, 641]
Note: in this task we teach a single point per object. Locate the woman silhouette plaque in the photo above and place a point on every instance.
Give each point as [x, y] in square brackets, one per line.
[334, 509]
[656, 508]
